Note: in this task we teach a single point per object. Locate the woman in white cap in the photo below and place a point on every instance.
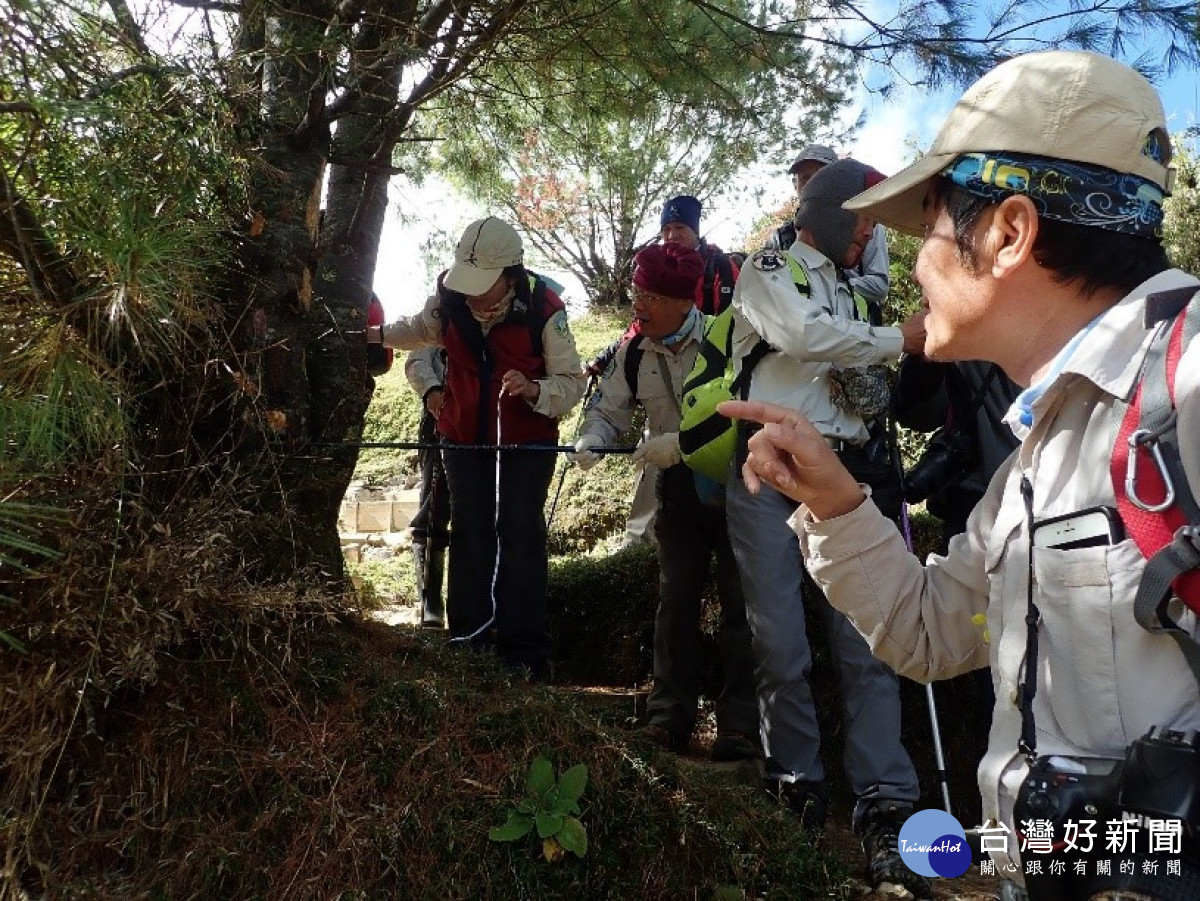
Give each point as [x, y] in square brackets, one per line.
[512, 373]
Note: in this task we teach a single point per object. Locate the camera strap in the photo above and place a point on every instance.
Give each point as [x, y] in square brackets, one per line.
[1027, 744]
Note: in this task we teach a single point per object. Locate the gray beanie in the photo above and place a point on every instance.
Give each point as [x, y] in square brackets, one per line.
[820, 210]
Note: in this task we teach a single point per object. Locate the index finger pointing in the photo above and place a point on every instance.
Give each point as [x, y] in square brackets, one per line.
[757, 411]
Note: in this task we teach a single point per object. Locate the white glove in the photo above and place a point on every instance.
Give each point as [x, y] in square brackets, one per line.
[584, 457]
[661, 450]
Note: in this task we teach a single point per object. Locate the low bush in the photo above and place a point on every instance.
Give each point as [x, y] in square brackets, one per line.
[609, 601]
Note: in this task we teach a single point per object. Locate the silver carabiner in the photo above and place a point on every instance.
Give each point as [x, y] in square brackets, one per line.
[1136, 440]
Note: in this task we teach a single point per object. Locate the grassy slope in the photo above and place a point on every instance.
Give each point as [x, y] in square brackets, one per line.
[282, 755]
[353, 760]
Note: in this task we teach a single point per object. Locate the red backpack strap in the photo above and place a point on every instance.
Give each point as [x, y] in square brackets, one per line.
[1154, 498]
[1148, 510]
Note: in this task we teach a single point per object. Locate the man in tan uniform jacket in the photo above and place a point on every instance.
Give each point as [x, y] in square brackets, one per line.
[1040, 203]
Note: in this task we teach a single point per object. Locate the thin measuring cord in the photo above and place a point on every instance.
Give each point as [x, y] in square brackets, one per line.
[488, 448]
[496, 523]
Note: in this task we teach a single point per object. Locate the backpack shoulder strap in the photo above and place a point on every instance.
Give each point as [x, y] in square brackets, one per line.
[799, 276]
[1154, 498]
[707, 282]
[634, 351]
[740, 386]
[717, 288]
[716, 345]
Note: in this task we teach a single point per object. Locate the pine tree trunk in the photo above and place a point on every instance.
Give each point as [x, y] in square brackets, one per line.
[290, 527]
[303, 333]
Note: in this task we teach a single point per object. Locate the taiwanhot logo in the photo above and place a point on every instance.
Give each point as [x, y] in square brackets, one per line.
[933, 843]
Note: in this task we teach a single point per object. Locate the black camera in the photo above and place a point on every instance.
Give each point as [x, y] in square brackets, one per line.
[949, 455]
[1159, 779]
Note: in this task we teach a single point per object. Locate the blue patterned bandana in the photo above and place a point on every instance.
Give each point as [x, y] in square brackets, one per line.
[684, 330]
[1069, 192]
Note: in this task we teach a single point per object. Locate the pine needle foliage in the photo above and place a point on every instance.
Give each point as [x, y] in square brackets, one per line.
[1181, 227]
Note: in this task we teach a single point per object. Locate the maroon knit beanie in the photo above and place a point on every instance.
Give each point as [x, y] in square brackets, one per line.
[669, 269]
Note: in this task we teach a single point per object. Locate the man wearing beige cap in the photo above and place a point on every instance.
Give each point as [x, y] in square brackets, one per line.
[869, 276]
[1040, 203]
[512, 372]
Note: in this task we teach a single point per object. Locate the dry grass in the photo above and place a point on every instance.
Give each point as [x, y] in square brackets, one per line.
[347, 759]
[171, 731]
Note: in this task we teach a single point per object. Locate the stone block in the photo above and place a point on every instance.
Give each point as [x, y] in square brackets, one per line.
[347, 517]
[375, 516]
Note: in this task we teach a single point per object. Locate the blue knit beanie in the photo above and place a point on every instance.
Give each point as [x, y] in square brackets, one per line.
[685, 209]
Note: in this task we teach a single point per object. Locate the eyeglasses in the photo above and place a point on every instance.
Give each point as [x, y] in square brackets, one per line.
[641, 295]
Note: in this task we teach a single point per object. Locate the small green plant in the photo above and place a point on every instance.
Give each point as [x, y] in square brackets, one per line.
[552, 805]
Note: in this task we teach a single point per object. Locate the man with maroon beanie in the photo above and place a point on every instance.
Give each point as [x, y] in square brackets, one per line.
[688, 532]
[679, 224]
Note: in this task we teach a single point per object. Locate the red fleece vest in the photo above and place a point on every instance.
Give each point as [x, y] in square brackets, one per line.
[472, 385]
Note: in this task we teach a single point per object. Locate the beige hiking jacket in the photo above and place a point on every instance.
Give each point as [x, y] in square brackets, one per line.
[1102, 680]
[660, 378]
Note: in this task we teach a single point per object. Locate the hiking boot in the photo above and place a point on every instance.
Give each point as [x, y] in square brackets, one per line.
[656, 734]
[809, 801]
[427, 571]
[731, 746]
[880, 838]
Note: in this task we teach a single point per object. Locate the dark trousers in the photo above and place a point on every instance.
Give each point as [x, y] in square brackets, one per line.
[432, 521]
[431, 526]
[689, 534]
[498, 563]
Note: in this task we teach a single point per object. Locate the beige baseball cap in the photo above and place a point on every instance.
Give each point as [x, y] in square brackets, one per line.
[485, 249]
[1062, 104]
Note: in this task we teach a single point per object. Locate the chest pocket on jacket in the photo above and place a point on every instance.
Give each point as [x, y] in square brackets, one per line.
[652, 384]
[1104, 678]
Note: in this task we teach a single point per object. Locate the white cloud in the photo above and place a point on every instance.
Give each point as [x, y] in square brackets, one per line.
[898, 131]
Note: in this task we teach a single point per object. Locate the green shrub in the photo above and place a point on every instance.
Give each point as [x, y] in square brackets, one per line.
[608, 599]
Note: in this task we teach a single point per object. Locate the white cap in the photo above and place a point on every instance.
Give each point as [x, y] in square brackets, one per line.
[486, 249]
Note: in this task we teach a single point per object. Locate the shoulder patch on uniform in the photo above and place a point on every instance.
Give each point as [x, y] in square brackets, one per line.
[560, 322]
[767, 260]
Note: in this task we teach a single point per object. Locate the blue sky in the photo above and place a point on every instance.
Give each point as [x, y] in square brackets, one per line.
[892, 134]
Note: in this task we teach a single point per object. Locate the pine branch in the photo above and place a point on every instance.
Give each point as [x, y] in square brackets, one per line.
[24, 240]
[128, 26]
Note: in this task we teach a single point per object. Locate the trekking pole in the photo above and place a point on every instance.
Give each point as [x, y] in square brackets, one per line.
[591, 385]
[938, 755]
[437, 476]
[906, 530]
